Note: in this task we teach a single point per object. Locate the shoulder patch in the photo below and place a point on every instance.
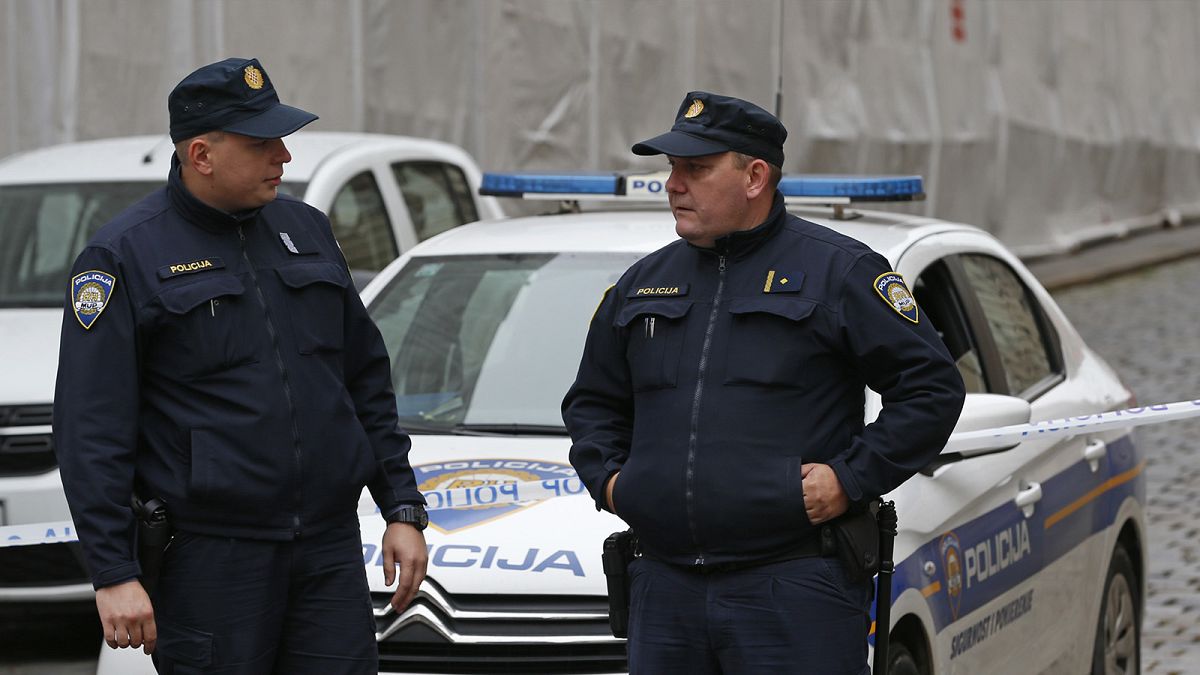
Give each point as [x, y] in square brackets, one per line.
[90, 292]
[890, 286]
[602, 297]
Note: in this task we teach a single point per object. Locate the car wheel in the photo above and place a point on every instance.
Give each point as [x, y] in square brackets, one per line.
[1118, 639]
[901, 661]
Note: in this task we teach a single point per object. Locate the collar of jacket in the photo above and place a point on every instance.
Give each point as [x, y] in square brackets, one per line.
[743, 242]
[199, 213]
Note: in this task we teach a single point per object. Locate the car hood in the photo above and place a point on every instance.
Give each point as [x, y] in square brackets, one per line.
[29, 353]
[544, 547]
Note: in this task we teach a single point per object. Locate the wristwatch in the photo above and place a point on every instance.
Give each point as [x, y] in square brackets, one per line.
[413, 514]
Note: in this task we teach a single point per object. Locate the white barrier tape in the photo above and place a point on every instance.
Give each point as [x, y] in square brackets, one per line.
[63, 531]
[1073, 426]
[513, 493]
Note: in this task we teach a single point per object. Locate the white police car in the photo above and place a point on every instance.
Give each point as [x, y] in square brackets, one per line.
[383, 195]
[1015, 559]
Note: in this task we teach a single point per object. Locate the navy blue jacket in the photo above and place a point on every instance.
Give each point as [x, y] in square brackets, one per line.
[709, 375]
[231, 371]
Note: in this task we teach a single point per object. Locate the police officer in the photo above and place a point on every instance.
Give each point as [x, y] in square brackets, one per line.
[718, 410]
[215, 356]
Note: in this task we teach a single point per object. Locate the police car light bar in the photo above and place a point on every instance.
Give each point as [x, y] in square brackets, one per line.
[651, 186]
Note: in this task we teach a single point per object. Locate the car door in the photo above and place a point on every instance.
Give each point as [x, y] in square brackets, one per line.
[985, 525]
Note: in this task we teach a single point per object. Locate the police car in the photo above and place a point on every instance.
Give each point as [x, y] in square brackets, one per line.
[383, 194]
[1017, 558]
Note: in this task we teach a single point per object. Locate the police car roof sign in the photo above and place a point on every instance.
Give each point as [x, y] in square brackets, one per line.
[651, 186]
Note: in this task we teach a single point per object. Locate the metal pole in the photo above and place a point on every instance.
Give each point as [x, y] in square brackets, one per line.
[883, 591]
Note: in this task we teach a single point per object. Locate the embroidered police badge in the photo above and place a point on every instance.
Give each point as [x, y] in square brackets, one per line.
[694, 109]
[890, 286]
[90, 292]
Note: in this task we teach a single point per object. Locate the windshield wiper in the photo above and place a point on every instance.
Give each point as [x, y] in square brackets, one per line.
[457, 430]
[514, 429]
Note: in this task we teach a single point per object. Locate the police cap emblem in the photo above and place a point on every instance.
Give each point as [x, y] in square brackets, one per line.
[253, 77]
[890, 286]
[90, 292]
[695, 109]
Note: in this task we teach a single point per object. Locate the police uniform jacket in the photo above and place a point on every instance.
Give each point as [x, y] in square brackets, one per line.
[226, 365]
[710, 375]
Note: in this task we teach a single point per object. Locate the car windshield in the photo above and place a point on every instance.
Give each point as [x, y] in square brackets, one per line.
[43, 228]
[490, 343]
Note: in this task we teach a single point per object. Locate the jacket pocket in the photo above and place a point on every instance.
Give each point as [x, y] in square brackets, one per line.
[207, 326]
[315, 295]
[234, 471]
[656, 330]
[770, 341]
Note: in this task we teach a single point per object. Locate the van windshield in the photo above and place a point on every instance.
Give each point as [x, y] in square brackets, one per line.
[43, 228]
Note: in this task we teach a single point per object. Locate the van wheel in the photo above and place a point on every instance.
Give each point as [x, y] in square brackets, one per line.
[1118, 635]
[901, 661]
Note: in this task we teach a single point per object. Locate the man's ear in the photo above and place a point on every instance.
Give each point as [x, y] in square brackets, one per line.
[199, 157]
[758, 175]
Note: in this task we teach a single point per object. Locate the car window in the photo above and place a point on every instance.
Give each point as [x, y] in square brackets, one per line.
[44, 229]
[490, 339]
[437, 195]
[1023, 337]
[938, 299]
[361, 225]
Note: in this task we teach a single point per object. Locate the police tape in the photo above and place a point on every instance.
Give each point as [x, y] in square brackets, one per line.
[504, 494]
[1072, 426]
[474, 497]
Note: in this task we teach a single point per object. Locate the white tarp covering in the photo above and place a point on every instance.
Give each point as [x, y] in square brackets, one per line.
[1049, 123]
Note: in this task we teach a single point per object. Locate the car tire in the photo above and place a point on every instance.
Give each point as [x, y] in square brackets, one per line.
[1118, 632]
[901, 661]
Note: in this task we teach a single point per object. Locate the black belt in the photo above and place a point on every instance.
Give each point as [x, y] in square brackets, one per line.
[820, 543]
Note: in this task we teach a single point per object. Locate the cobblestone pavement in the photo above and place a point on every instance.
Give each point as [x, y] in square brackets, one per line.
[1146, 325]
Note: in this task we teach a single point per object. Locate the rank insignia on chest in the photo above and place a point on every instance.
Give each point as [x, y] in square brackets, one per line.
[660, 291]
[288, 243]
[782, 282]
[90, 292]
[890, 286]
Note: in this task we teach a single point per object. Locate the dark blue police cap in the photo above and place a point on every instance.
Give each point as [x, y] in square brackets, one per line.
[233, 95]
[707, 124]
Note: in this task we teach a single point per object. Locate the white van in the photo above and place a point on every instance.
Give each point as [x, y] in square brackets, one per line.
[383, 194]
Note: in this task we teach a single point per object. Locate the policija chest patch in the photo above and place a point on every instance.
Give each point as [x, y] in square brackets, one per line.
[663, 291]
[890, 286]
[90, 292]
[191, 267]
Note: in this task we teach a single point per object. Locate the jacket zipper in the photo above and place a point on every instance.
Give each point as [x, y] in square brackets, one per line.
[695, 426]
[283, 374]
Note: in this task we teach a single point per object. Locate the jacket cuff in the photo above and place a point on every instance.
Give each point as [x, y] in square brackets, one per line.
[117, 575]
[846, 478]
[602, 493]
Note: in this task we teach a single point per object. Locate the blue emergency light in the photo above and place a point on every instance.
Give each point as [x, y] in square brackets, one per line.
[855, 188]
[803, 188]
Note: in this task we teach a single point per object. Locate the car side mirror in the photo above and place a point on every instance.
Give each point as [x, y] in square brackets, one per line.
[984, 411]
